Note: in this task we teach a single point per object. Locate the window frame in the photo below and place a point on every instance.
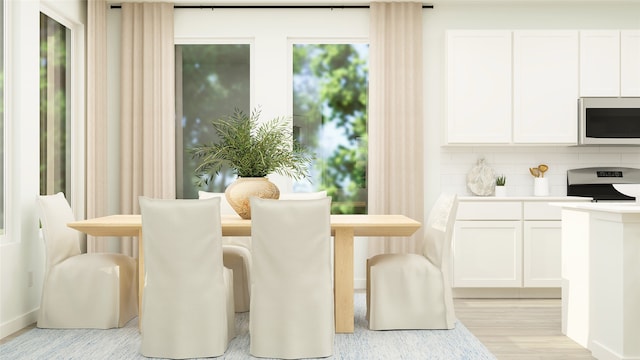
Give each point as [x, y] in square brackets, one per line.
[291, 41]
[179, 136]
[271, 56]
[76, 110]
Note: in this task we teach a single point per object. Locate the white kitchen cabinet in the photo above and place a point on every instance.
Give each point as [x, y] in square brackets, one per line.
[487, 254]
[600, 63]
[545, 86]
[487, 244]
[542, 247]
[541, 251]
[478, 86]
[610, 63]
[507, 244]
[630, 62]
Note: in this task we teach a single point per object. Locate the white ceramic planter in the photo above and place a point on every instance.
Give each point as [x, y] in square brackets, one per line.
[241, 190]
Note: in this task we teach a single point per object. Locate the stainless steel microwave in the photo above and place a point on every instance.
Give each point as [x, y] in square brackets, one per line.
[609, 121]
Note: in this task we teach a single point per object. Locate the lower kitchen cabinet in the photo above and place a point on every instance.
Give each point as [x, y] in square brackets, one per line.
[507, 244]
[541, 252]
[487, 254]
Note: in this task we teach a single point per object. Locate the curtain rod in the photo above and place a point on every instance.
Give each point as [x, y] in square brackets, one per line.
[213, 7]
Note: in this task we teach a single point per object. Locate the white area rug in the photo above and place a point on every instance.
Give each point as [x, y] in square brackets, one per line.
[124, 343]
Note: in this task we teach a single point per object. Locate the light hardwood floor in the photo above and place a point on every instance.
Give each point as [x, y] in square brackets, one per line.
[522, 329]
[518, 329]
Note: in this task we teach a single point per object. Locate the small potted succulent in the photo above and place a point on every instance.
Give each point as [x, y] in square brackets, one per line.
[501, 189]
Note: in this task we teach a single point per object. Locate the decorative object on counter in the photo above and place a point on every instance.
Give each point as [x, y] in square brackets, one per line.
[540, 183]
[481, 179]
[540, 186]
[252, 150]
[501, 189]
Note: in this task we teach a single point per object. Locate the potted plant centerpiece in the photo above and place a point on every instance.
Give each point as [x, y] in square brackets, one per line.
[252, 150]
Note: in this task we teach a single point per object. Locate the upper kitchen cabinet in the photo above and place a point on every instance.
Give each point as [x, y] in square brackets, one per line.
[478, 86]
[600, 63]
[630, 62]
[545, 86]
[610, 63]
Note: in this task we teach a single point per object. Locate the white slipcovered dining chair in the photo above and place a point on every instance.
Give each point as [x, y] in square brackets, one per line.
[292, 310]
[187, 306]
[412, 291]
[236, 255]
[97, 290]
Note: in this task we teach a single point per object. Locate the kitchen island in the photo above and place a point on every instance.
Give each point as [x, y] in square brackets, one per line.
[601, 277]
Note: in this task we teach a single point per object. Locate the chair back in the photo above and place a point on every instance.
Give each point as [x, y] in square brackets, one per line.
[184, 298]
[61, 241]
[290, 237]
[181, 238]
[438, 231]
[291, 281]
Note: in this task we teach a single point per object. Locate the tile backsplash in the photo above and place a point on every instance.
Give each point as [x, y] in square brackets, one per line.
[514, 162]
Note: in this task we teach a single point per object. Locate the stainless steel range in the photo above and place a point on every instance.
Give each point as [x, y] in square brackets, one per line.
[596, 182]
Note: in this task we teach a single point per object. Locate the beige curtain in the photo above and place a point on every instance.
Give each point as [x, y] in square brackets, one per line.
[147, 166]
[396, 155]
[96, 161]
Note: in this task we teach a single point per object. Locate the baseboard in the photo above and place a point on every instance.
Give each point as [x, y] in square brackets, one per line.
[18, 323]
[507, 293]
[600, 351]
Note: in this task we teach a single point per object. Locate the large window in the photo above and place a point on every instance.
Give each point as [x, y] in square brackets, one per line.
[330, 92]
[211, 81]
[55, 139]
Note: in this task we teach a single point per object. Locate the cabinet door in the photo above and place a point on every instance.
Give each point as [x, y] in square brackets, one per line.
[542, 246]
[545, 86]
[600, 63]
[630, 63]
[478, 86]
[487, 254]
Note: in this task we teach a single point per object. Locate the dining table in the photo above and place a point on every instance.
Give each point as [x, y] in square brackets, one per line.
[344, 227]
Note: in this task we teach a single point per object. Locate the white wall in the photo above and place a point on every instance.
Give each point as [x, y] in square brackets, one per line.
[446, 167]
[22, 252]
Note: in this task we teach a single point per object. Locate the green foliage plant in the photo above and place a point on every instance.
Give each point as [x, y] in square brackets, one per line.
[251, 148]
[501, 180]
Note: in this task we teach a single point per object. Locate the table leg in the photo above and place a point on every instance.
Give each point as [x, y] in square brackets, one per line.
[140, 278]
[343, 280]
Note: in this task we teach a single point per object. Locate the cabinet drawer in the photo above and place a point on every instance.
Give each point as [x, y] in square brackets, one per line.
[538, 210]
[489, 210]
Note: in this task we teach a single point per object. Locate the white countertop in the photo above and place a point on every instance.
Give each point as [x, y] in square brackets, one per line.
[526, 198]
[620, 208]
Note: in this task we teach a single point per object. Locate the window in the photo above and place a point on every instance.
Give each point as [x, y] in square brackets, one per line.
[55, 139]
[211, 81]
[330, 92]
[300, 54]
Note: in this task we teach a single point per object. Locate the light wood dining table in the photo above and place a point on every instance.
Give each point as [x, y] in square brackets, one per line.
[343, 228]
